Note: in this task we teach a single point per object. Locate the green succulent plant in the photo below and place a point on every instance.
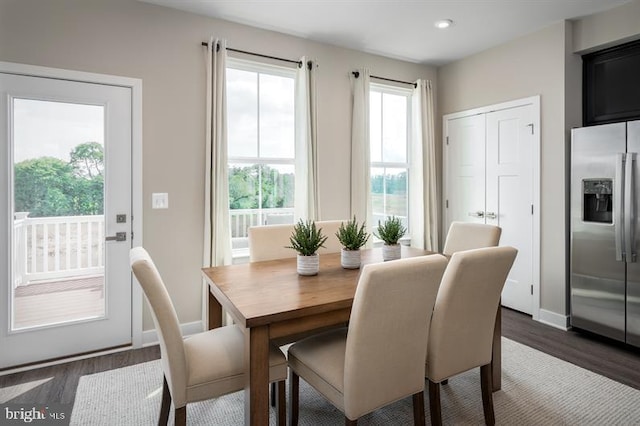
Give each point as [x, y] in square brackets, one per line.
[306, 239]
[391, 230]
[352, 236]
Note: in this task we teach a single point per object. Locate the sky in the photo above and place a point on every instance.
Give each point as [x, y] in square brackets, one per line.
[45, 128]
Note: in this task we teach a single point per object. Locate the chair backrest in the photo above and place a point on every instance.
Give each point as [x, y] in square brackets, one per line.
[467, 236]
[172, 353]
[388, 330]
[464, 315]
[329, 229]
[268, 242]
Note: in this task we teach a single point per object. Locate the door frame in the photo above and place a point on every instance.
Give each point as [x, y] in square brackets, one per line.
[535, 102]
[135, 85]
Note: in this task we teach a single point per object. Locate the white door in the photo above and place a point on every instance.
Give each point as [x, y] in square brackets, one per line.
[65, 217]
[489, 167]
[465, 170]
[509, 195]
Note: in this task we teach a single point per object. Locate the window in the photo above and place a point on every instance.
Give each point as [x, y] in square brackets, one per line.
[261, 146]
[389, 112]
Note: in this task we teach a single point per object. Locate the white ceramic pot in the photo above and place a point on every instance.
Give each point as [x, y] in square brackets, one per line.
[350, 259]
[308, 265]
[390, 252]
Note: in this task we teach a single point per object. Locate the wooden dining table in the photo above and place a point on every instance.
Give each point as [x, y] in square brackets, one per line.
[275, 304]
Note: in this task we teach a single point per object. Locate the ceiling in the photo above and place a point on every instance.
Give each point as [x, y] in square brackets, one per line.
[400, 29]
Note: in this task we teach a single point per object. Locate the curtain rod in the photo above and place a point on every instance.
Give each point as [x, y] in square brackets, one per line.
[204, 43]
[356, 74]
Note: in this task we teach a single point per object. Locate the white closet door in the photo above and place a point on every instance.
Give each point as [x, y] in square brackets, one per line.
[465, 169]
[509, 195]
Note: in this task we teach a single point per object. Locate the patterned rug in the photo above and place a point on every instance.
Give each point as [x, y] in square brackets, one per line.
[537, 389]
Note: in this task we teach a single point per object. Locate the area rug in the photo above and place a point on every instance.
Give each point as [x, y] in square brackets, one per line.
[537, 389]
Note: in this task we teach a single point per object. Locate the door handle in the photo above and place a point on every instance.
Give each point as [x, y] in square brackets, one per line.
[618, 225]
[120, 236]
[491, 215]
[479, 213]
[629, 206]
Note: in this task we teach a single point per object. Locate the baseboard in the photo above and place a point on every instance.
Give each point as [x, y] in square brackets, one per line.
[150, 337]
[554, 319]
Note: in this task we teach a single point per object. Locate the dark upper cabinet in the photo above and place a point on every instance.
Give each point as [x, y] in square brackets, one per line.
[611, 84]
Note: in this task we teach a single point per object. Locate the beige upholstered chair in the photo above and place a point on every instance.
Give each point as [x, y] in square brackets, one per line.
[268, 242]
[463, 321]
[466, 236]
[329, 229]
[379, 358]
[202, 366]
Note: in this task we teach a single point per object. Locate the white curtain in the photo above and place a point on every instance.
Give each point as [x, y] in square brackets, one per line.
[217, 238]
[360, 163]
[306, 166]
[423, 213]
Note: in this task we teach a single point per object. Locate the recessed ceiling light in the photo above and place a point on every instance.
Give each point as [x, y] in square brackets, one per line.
[443, 23]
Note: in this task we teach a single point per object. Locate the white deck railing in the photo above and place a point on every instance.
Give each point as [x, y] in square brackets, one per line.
[48, 248]
[57, 247]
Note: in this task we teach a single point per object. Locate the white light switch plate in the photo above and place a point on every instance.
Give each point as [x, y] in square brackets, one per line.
[159, 200]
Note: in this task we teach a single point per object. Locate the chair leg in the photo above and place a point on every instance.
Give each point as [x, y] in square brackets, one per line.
[486, 383]
[349, 422]
[281, 403]
[294, 385]
[434, 404]
[165, 406]
[273, 394]
[181, 416]
[418, 409]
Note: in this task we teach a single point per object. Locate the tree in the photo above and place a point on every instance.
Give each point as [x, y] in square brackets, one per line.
[87, 159]
[48, 186]
[43, 187]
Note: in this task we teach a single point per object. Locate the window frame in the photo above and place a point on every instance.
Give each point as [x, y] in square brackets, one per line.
[242, 254]
[407, 93]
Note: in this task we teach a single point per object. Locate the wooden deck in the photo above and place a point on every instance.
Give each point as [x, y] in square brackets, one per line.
[58, 301]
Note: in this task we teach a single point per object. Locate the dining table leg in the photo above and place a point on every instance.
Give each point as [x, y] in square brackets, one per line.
[256, 388]
[215, 312]
[496, 352]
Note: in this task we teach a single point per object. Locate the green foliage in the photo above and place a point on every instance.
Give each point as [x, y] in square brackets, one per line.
[87, 159]
[48, 186]
[395, 183]
[391, 230]
[351, 236]
[256, 185]
[306, 239]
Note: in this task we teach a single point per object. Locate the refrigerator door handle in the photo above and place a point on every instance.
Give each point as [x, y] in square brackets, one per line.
[618, 224]
[629, 203]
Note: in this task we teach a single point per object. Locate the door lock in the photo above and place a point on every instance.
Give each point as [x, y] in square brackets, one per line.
[120, 236]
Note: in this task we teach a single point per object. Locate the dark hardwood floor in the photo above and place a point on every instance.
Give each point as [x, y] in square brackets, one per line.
[613, 360]
[609, 358]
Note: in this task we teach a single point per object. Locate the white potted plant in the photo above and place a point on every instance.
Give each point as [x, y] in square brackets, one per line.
[390, 232]
[352, 237]
[306, 240]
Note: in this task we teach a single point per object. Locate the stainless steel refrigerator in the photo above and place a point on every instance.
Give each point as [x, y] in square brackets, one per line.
[605, 200]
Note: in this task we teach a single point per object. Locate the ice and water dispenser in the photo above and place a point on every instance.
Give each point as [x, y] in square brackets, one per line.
[598, 200]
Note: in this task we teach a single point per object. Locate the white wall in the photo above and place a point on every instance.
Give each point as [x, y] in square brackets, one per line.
[608, 28]
[162, 47]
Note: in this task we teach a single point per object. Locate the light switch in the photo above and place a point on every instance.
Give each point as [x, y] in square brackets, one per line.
[160, 200]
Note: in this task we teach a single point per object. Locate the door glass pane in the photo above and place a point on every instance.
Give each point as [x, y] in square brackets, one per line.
[58, 200]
